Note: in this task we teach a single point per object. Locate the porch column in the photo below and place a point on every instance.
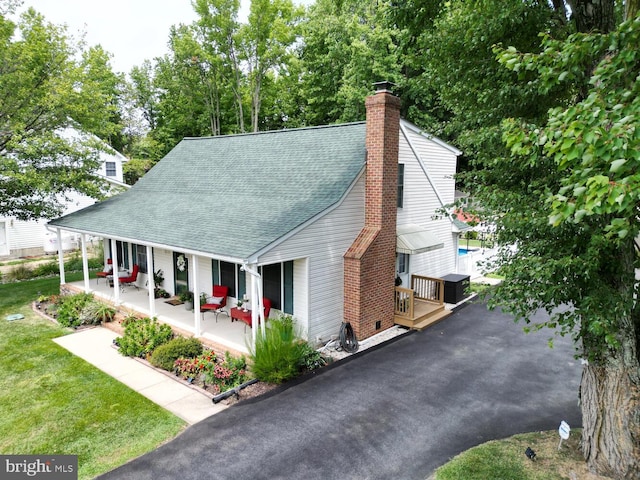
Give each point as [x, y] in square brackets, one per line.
[196, 297]
[116, 271]
[85, 263]
[257, 310]
[60, 257]
[151, 282]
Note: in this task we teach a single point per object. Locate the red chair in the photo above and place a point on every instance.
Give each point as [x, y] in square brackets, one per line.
[216, 302]
[239, 314]
[105, 273]
[130, 280]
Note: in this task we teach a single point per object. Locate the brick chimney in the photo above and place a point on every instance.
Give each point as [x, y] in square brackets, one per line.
[370, 261]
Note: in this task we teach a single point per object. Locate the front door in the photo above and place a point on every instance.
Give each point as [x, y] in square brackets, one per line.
[181, 272]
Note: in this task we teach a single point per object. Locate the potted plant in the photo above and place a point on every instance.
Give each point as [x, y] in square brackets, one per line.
[239, 304]
[187, 298]
[158, 278]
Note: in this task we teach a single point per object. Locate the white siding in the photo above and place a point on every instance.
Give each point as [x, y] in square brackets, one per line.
[319, 250]
[422, 205]
[163, 260]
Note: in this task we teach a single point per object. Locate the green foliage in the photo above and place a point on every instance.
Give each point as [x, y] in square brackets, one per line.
[135, 168]
[96, 313]
[228, 374]
[70, 309]
[580, 249]
[346, 49]
[166, 354]
[278, 354]
[142, 336]
[43, 90]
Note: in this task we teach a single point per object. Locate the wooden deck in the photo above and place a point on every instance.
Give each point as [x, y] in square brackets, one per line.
[424, 314]
[421, 305]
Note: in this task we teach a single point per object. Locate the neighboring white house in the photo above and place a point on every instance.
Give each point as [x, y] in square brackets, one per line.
[19, 238]
[321, 221]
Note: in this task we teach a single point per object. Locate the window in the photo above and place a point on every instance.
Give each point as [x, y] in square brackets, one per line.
[123, 253]
[111, 168]
[400, 185]
[140, 255]
[277, 283]
[230, 275]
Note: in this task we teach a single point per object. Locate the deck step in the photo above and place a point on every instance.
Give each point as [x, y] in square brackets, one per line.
[435, 318]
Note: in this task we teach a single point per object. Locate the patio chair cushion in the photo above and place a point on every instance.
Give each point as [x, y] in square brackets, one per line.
[215, 300]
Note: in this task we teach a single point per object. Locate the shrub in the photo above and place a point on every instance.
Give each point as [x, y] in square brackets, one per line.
[166, 354]
[46, 269]
[190, 368]
[95, 313]
[142, 336]
[278, 354]
[70, 308]
[228, 374]
[311, 359]
[20, 272]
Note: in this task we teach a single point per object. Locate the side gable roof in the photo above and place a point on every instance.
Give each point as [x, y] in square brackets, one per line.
[232, 196]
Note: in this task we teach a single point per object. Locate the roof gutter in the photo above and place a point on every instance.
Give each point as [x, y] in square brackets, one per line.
[224, 258]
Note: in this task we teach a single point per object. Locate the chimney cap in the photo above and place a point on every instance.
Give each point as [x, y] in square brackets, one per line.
[384, 86]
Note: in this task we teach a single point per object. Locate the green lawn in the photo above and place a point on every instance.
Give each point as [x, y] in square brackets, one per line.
[52, 402]
[505, 459]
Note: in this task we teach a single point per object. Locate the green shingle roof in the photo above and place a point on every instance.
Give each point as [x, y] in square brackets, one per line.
[232, 195]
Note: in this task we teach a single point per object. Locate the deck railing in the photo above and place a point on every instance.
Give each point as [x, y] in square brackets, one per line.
[422, 288]
[404, 302]
[428, 288]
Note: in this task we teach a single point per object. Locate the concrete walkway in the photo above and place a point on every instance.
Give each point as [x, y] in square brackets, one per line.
[94, 346]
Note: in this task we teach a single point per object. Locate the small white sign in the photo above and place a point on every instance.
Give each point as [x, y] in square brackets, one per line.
[564, 430]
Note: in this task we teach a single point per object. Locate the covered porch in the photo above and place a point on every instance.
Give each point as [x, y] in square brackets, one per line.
[422, 304]
[222, 335]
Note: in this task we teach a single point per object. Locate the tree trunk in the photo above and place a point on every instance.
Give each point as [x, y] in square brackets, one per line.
[631, 9]
[610, 398]
[593, 15]
[610, 388]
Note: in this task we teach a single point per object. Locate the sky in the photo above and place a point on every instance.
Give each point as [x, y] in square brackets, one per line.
[131, 30]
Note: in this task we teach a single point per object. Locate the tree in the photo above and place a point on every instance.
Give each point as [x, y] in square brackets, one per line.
[219, 31]
[266, 43]
[40, 87]
[588, 259]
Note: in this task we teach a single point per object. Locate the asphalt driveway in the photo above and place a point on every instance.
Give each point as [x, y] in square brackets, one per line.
[395, 412]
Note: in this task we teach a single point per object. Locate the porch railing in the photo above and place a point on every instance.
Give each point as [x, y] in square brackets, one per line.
[422, 288]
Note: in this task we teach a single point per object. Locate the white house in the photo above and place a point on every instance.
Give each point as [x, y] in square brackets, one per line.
[20, 238]
[324, 222]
